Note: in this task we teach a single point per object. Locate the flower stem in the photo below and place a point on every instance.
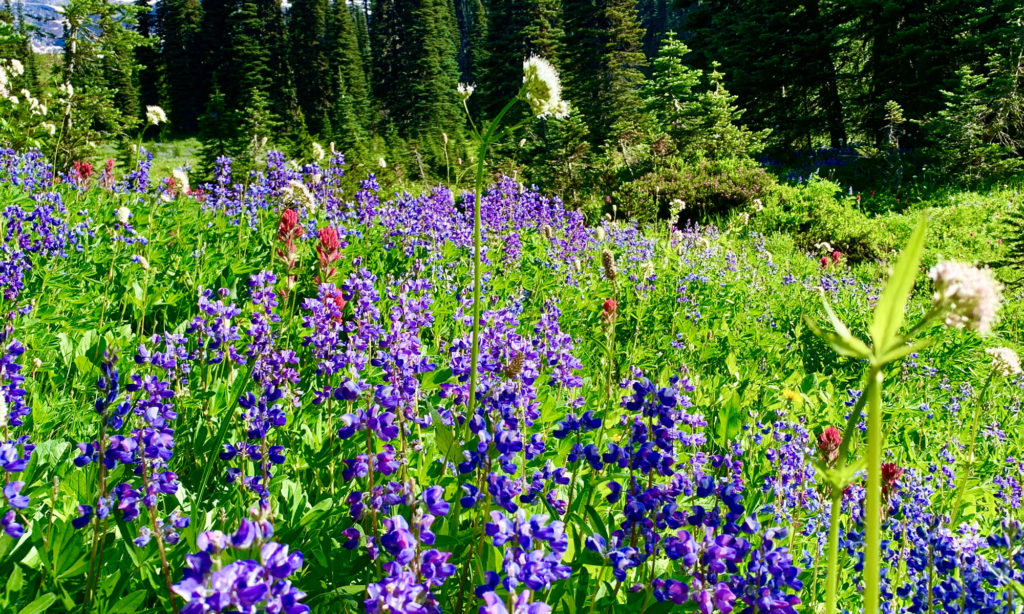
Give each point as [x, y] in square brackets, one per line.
[477, 249]
[965, 474]
[873, 503]
[832, 579]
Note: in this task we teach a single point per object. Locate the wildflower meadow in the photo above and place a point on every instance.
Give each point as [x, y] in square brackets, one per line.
[291, 390]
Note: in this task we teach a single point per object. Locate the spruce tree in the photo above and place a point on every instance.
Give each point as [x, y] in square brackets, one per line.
[522, 28]
[623, 77]
[350, 107]
[310, 52]
[582, 61]
[148, 56]
[180, 29]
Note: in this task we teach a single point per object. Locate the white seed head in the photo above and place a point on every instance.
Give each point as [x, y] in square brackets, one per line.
[969, 296]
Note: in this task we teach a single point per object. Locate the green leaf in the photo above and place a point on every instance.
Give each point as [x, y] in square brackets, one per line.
[889, 311]
[899, 351]
[16, 580]
[730, 364]
[844, 346]
[41, 604]
[130, 603]
[730, 418]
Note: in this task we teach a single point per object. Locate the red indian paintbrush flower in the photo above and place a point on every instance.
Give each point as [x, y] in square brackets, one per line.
[829, 442]
[891, 472]
[608, 310]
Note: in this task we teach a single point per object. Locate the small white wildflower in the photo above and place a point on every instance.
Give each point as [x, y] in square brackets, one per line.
[17, 68]
[50, 128]
[543, 88]
[600, 234]
[745, 218]
[1004, 361]
[969, 296]
[444, 137]
[647, 270]
[123, 214]
[180, 180]
[3, 413]
[36, 363]
[143, 263]
[155, 115]
[66, 89]
[465, 91]
[382, 163]
[165, 197]
[318, 152]
[299, 193]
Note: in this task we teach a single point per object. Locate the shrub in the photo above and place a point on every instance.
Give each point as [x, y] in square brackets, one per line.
[707, 187]
[815, 212]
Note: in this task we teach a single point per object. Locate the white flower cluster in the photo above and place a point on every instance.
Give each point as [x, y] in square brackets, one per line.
[968, 296]
[543, 88]
[181, 180]
[465, 91]
[298, 193]
[1004, 361]
[155, 115]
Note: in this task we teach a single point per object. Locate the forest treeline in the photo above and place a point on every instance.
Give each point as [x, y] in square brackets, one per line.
[655, 86]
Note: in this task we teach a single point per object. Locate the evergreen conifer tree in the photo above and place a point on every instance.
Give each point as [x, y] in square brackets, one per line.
[179, 25]
[310, 61]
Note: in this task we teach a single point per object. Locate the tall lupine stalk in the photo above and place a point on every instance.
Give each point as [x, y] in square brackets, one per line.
[964, 297]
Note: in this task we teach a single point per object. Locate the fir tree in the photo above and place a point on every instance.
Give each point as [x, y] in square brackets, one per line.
[180, 29]
[623, 76]
[147, 57]
[350, 108]
[310, 51]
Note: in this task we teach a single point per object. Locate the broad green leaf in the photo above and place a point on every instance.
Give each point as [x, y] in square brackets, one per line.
[41, 604]
[889, 313]
[15, 580]
[843, 345]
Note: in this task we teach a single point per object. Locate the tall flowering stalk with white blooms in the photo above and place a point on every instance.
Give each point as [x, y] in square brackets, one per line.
[542, 90]
[964, 296]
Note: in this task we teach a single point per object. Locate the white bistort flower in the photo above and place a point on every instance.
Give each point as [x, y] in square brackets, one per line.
[180, 180]
[155, 115]
[465, 91]
[318, 152]
[543, 88]
[123, 214]
[1004, 361]
[968, 296]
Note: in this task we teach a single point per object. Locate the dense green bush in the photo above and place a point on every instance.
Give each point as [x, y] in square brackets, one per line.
[815, 212]
[700, 189]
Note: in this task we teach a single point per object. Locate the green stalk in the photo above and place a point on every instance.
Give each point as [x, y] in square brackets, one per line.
[873, 503]
[477, 248]
[965, 474]
[832, 579]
